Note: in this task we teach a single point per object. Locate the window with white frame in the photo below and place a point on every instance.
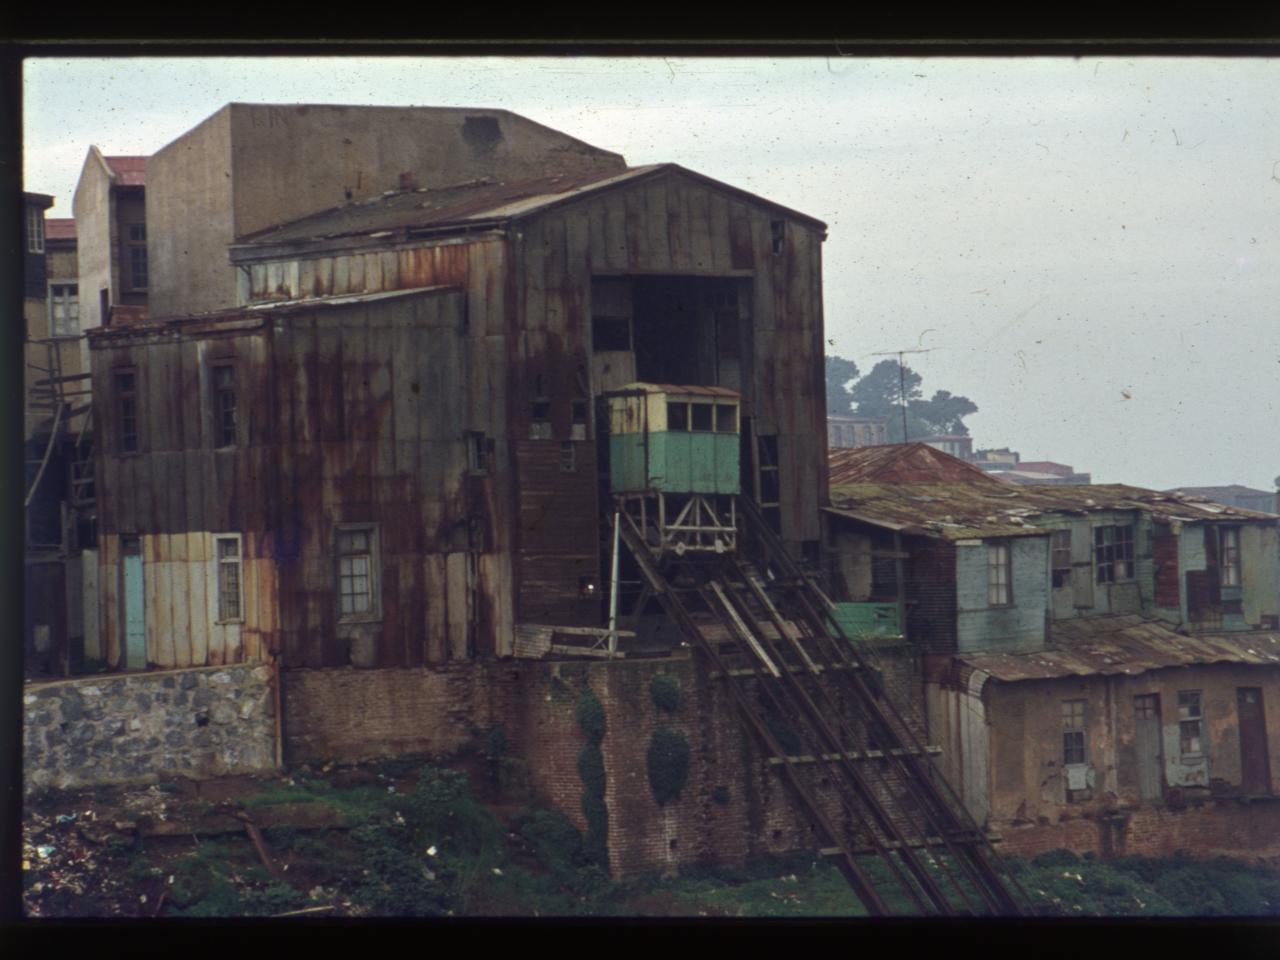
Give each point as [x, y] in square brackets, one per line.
[1229, 555]
[35, 231]
[1190, 732]
[357, 553]
[64, 310]
[230, 591]
[999, 575]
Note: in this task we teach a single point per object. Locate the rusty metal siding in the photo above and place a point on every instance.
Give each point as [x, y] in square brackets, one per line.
[1164, 553]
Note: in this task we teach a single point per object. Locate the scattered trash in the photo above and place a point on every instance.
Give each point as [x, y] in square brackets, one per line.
[391, 789]
[171, 878]
[45, 851]
[66, 817]
[431, 851]
[142, 898]
[497, 872]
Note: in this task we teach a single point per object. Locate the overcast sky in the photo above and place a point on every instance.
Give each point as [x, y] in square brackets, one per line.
[1089, 248]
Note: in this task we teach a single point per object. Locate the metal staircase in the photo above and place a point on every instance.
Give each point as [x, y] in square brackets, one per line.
[814, 699]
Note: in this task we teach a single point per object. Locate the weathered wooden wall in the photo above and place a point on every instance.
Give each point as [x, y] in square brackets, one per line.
[348, 414]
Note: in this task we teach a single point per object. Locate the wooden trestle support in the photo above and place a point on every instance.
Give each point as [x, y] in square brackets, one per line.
[802, 677]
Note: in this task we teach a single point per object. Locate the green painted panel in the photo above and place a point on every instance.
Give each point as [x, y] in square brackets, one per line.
[135, 634]
[678, 462]
[867, 619]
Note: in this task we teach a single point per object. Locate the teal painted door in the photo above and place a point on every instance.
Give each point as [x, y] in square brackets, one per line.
[135, 632]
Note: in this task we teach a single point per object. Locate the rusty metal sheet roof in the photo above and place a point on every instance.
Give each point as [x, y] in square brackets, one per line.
[949, 511]
[902, 463]
[1092, 497]
[60, 228]
[466, 205]
[128, 171]
[254, 314]
[1127, 645]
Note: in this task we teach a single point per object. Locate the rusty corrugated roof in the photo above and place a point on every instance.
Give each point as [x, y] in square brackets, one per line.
[901, 463]
[1126, 645]
[129, 171]
[950, 511]
[689, 390]
[467, 204]
[1090, 498]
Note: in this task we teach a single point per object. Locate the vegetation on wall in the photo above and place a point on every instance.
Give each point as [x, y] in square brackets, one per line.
[590, 716]
[665, 693]
[668, 763]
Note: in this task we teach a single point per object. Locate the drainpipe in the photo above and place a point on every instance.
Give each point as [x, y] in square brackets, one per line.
[613, 591]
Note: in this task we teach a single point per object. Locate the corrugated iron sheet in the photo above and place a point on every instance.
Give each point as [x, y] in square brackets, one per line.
[949, 511]
[902, 463]
[1126, 645]
[469, 204]
[59, 228]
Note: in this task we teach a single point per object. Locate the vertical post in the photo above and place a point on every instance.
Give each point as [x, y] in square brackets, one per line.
[898, 576]
[613, 591]
[902, 395]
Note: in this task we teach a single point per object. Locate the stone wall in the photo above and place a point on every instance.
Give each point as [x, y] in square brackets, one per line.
[138, 727]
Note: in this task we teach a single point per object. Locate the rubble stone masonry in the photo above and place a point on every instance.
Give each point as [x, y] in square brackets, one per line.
[123, 728]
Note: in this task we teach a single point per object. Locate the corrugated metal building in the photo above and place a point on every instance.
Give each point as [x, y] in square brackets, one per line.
[389, 453]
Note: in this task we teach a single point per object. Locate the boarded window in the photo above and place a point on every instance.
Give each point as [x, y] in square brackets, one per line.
[1189, 723]
[999, 575]
[1061, 552]
[127, 411]
[357, 571]
[1113, 553]
[229, 589]
[1229, 556]
[224, 405]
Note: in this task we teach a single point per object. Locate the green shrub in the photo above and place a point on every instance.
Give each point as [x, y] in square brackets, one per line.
[665, 693]
[590, 716]
[668, 763]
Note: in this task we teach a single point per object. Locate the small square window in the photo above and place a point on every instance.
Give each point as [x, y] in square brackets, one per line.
[1060, 544]
[677, 416]
[568, 458]
[229, 582]
[726, 418]
[479, 452]
[1073, 732]
[357, 572]
[64, 310]
[999, 575]
[126, 384]
[1190, 731]
[1113, 554]
[700, 415]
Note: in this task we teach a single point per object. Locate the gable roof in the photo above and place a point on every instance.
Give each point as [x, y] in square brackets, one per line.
[947, 511]
[128, 171]
[472, 205]
[902, 463]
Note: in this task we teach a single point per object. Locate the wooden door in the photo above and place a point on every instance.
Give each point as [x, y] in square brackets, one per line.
[1255, 772]
[1146, 741]
[133, 607]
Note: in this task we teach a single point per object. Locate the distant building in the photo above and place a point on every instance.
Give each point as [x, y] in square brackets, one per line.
[996, 459]
[1095, 659]
[1235, 495]
[957, 445]
[111, 228]
[846, 432]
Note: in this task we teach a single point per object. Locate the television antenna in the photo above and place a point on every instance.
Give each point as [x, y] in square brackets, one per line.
[902, 380]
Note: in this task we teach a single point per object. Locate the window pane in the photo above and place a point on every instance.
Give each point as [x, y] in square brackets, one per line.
[677, 416]
[701, 416]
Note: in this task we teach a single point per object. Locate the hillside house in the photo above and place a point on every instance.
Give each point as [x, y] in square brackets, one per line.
[1143, 695]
